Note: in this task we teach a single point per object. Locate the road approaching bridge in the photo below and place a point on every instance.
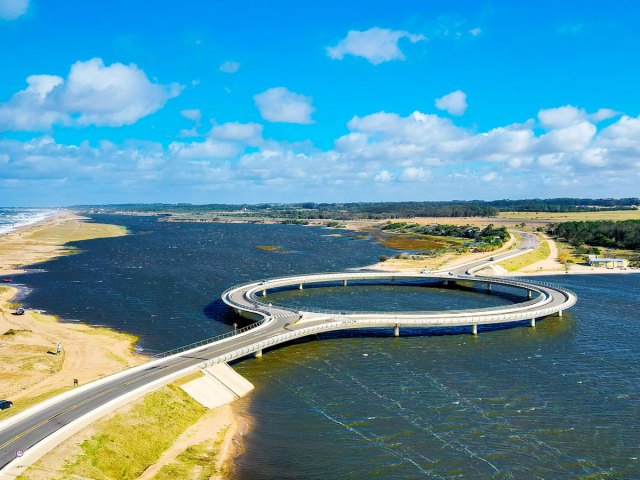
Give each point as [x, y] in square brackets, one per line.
[40, 428]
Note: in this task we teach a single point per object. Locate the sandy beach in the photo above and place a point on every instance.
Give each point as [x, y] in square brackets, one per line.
[31, 370]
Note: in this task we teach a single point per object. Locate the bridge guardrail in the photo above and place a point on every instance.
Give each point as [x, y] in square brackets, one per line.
[206, 341]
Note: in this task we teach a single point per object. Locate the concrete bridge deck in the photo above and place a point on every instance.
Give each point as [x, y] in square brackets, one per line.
[40, 428]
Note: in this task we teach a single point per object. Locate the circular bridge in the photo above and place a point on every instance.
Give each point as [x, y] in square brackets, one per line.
[252, 300]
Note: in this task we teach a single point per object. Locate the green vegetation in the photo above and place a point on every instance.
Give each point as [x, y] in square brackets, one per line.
[127, 443]
[272, 248]
[300, 212]
[335, 224]
[521, 261]
[484, 239]
[624, 234]
[198, 462]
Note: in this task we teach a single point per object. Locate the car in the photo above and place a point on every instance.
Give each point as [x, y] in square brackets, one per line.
[4, 404]
[492, 259]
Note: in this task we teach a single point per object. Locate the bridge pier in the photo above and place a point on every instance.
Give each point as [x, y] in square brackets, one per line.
[300, 286]
[529, 294]
[532, 323]
[258, 353]
[560, 313]
[396, 331]
[489, 287]
[344, 283]
[474, 329]
[445, 283]
[264, 292]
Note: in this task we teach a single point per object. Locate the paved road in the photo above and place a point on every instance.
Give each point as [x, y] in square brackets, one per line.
[279, 324]
[529, 242]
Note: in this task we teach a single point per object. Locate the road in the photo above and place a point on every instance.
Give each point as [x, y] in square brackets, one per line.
[279, 324]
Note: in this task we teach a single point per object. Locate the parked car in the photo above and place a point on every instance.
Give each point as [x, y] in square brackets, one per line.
[4, 404]
[491, 259]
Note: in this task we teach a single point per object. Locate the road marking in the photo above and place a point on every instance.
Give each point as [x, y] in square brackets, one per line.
[73, 407]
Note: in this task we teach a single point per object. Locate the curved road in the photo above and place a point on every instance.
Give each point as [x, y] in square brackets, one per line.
[66, 413]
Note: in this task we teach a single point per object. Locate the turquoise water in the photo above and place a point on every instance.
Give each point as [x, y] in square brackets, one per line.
[557, 401]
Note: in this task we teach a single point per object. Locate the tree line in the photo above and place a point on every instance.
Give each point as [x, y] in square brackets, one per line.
[623, 234]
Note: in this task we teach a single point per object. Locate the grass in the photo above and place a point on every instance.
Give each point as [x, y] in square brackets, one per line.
[198, 462]
[124, 445]
[574, 216]
[521, 261]
[407, 241]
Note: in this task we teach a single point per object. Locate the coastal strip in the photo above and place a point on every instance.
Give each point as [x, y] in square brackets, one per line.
[32, 371]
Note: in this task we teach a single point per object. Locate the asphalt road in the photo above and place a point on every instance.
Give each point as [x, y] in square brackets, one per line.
[25, 433]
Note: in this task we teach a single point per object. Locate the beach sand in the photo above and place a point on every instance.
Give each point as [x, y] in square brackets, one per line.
[31, 371]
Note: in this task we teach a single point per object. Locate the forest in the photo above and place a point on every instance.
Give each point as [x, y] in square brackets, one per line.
[489, 235]
[375, 210]
[623, 234]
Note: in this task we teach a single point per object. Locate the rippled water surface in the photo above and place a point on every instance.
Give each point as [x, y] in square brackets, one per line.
[560, 400]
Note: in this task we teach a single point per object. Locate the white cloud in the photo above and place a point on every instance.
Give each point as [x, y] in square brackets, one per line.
[249, 133]
[414, 174]
[192, 114]
[377, 45]
[280, 105]
[12, 9]
[603, 114]
[92, 94]
[229, 67]
[561, 117]
[475, 31]
[382, 156]
[489, 177]
[454, 103]
[384, 176]
[210, 148]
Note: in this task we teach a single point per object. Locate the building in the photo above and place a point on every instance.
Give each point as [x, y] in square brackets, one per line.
[596, 261]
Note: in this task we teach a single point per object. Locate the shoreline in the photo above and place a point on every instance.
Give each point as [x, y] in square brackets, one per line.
[89, 352]
[230, 448]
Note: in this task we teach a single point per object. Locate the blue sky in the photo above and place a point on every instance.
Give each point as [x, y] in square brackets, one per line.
[209, 101]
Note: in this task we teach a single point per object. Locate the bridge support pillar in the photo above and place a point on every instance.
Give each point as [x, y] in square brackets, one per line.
[532, 322]
[264, 292]
[474, 329]
[258, 353]
[396, 331]
[344, 283]
[529, 294]
[300, 287]
[489, 287]
[560, 313]
[446, 282]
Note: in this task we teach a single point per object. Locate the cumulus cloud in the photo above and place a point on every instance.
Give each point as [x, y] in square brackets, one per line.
[381, 153]
[454, 103]
[92, 94]
[12, 9]
[377, 45]
[248, 133]
[229, 67]
[192, 114]
[280, 105]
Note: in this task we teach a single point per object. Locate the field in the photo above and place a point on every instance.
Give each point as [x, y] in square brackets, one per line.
[125, 444]
[571, 217]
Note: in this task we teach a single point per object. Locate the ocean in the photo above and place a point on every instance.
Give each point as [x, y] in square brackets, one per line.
[16, 217]
[556, 401]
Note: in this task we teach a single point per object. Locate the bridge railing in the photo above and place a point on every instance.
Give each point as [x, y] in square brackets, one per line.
[206, 341]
